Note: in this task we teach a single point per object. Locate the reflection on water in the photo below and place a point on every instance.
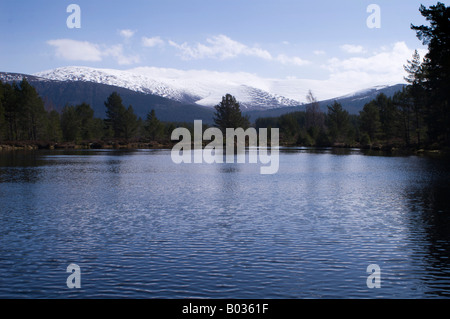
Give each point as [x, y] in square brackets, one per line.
[140, 226]
[430, 213]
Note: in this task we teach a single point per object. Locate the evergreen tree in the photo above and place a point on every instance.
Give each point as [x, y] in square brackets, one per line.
[97, 128]
[168, 129]
[11, 108]
[415, 89]
[120, 120]
[388, 116]
[153, 127]
[370, 121]
[289, 127]
[129, 123]
[436, 70]
[54, 132]
[338, 122]
[115, 110]
[2, 114]
[70, 124]
[32, 116]
[228, 114]
[403, 103]
[413, 69]
[85, 118]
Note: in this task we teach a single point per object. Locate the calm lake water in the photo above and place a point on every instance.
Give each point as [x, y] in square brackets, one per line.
[140, 226]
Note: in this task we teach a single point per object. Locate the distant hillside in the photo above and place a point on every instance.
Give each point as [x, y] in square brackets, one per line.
[353, 103]
[56, 94]
[188, 87]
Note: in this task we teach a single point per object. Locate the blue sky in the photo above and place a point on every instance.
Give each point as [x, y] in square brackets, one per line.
[315, 40]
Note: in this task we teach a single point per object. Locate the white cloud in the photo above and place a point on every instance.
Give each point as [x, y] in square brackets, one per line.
[218, 47]
[152, 42]
[222, 47]
[284, 59]
[384, 67]
[353, 49]
[127, 33]
[73, 50]
[388, 60]
[345, 76]
[116, 51]
[319, 52]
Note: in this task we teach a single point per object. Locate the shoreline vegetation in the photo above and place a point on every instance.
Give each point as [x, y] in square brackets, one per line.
[376, 129]
[167, 145]
[414, 120]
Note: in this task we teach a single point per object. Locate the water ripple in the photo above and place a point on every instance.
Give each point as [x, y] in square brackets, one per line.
[140, 226]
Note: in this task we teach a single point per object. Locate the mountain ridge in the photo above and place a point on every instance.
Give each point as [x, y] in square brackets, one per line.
[183, 88]
[170, 103]
[57, 94]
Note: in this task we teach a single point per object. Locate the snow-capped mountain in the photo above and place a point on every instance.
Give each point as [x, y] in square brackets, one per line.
[362, 93]
[204, 88]
[181, 96]
[17, 77]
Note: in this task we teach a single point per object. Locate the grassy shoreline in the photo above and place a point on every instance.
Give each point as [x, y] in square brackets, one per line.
[130, 145]
[16, 146]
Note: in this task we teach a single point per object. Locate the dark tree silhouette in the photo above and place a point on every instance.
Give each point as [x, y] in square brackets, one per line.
[436, 70]
[228, 114]
[153, 127]
[338, 122]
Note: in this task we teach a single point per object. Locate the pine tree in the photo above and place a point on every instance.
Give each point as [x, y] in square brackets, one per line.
[338, 122]
[402, 101]
[413, 69]
[416, 90]
[129, 123]
[2, 114]
[115, 110]
[70, 124]
[97, 128]
[11, 107]
[228, 114]
[436, 70]
[370, 121]
[32, 116]
[290, 127]
[85, 118]
[54, 132]
[153, 127]
[388, 116]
